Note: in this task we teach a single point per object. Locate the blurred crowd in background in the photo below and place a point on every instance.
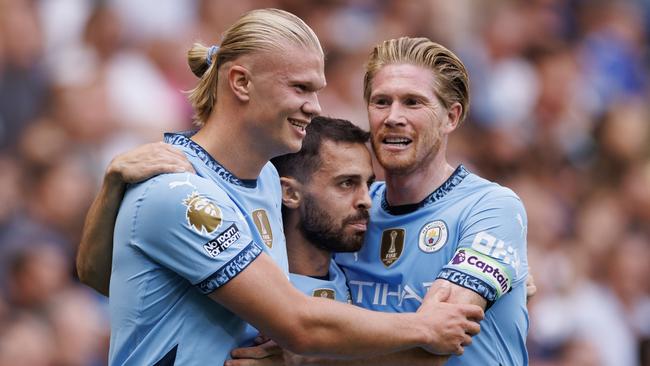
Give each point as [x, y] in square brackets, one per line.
[560, 114]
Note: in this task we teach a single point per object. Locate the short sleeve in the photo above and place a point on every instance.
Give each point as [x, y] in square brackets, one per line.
[190, 226]
[491, 255]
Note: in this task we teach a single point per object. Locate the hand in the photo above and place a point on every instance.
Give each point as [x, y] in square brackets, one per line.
[452, 324]
[265, 354]
[531, 288]
[146, 161]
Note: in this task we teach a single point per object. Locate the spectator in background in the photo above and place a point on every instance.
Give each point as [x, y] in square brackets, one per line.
[26, 340]
[23, 81]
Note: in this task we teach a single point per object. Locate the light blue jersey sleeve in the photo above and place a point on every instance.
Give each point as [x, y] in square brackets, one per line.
[491, 255]
[190, 226]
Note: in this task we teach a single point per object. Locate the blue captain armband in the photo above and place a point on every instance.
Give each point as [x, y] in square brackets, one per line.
[479, 273]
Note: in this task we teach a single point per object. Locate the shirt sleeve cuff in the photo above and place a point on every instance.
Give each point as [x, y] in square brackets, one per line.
[230, 269]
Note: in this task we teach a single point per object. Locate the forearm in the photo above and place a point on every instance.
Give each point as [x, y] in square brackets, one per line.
[414, 357]
[262, 296]
[354, 332]
[94, 256]
[458, 294]
[322, 327]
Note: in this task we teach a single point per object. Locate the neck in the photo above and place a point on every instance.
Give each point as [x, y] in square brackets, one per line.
[227, 140]
[305, 258]
[414, 186]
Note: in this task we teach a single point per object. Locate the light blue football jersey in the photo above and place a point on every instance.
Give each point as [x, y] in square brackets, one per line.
[469, 231]
[260, 199]
[177, 238]
[335, 287]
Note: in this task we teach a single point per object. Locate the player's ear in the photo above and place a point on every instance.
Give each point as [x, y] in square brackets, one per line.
[453, 117]
[239, 81]
[291, 192]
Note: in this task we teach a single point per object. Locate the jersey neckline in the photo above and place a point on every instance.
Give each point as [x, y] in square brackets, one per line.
[454, 179]
[184, 139]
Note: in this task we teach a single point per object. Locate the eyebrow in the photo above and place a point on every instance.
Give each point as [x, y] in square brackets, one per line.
[348, 176]
[310, 84]
[353, 176]
[314, 87]
[407, 95]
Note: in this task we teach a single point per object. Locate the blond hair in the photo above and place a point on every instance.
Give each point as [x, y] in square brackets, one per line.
[450, 75]
[262, 30]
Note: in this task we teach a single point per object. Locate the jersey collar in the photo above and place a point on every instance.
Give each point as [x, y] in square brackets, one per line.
[184, 139]
[456, 177]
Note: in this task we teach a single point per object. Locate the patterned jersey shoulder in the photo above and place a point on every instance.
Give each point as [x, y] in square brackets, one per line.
[190, 225]
[491, 251]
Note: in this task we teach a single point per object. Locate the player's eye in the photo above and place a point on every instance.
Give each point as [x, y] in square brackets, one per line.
[346, 183]
[411, 102]
[380, 102]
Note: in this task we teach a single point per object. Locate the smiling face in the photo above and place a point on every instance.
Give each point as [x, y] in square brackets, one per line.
[284, 86]
[334, 210]
[407, 121]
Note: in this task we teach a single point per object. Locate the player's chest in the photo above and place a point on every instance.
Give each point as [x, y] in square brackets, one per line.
[262, 213]
[413, 245]
[399, 261]
[335, 289]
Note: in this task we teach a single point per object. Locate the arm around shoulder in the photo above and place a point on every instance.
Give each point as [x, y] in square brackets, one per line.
[262, 295]
[96, 247]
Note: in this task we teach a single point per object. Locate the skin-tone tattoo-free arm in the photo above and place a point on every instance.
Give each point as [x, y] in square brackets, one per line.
[95, 251]
[262, 295]
[269, 354]
[312, 326]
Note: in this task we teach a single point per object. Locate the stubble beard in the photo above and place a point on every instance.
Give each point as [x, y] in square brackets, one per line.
[404, 163]
[321, 229]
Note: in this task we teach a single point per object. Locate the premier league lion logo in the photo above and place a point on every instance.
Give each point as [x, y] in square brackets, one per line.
[203, 215]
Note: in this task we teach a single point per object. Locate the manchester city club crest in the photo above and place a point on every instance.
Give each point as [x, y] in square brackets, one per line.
[433, 236]
[263, 225]
[327, 293]
[392, 245]
[203, 215]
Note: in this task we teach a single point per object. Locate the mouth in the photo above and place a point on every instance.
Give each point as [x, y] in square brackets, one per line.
[301, 125]
[359, 225]
[396, 141]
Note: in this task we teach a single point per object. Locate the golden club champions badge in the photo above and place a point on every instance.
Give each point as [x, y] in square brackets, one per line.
[392, 245]
[324, 293]
[203, 215]
[433, 236]
[261, 220]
